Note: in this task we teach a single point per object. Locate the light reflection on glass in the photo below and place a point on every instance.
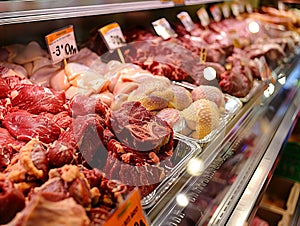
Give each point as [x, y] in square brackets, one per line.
[209, 73]
[182, 200]
[282, 80]
[253, 27]
[195, 167]
[269, 91]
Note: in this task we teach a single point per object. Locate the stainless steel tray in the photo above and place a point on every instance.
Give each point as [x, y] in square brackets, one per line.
[183, 151]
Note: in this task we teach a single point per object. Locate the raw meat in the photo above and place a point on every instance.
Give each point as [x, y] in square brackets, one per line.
[25, 126]
[43, 212]
[211, 93]
[238, 80]
[4, 88]
[139, 129]
[11, 201]
[36, 99]
[202, 116]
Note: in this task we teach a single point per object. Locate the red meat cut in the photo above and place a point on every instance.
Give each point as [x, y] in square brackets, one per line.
[36, 99]
[25, 126]
[137, 128]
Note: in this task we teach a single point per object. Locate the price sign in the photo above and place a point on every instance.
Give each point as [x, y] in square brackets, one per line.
[203, 16]
[186, 20]
[61, 44]
[249, 8]
[130, 213]
[216, 12]
[203, 55]
[225, 10]
[281, 6]
[235, 9]
[178, 2]
[112, 36]
[163, 28]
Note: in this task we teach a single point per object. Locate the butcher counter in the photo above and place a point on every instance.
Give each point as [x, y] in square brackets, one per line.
[237, 164]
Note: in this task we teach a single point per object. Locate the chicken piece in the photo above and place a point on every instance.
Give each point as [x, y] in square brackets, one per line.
[31, 52]
[182, 97]
[211, 93]
[59, 81]
[154, 94]
[173, 118]
[202, 116]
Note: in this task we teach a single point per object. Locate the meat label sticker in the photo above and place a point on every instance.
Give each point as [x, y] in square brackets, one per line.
[225, 10]
[163, 28]
[130, 213]
[61, 44]
[216, 13]
[112, 36]
[203, 16]
[186, 20]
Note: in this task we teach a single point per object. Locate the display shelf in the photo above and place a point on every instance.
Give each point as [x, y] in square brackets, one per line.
[248, 145]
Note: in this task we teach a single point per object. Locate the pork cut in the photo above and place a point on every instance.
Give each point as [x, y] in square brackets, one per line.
[36, 99]
[25, 126]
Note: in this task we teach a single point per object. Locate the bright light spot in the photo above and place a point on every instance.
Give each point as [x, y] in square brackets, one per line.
[195, 167]
[282, 80]
[253, 27]
[182, 200]
[269, 91]
[209, 73]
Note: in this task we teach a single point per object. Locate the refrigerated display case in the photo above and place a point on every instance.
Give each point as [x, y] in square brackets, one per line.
[236, 165]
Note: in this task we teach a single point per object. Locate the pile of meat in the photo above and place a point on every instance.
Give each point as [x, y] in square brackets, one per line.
[228, 46]
[64, 156]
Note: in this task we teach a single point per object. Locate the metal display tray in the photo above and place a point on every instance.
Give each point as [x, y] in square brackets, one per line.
[183, 151]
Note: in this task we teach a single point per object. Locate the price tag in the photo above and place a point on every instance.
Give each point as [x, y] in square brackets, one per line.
[249, 8]
[281, 6]
[203, 16]
[216, 13]
[112, 36]
[203, 55]
[178, 2]
[242, 7]
[225, 10]
[163, 28]
[235, 9]
[186, 20]
[61, 44]
[130, 213]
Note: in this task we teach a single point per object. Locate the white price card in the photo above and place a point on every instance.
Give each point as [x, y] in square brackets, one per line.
[225, 10]
[249, 8]
[216, 12]
[186, 20]
[61, 44]
[235, 9]
[112, 36]
[203, 16]
[163, 28]
[281, 6]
